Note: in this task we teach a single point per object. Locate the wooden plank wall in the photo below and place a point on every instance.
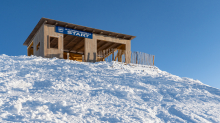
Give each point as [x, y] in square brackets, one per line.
[49, 30]
[90, 49]
[39, 37]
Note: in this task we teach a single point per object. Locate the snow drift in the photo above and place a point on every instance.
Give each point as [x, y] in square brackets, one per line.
[35, 89]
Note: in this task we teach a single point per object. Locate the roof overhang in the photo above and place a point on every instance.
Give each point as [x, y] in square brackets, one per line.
[74, 26]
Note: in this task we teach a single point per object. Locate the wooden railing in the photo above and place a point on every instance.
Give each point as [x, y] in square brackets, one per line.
[120, 56]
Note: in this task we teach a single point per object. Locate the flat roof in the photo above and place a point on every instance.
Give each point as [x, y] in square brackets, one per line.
[74, 26]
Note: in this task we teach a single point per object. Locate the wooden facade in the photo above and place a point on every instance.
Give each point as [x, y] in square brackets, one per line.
[44, 41]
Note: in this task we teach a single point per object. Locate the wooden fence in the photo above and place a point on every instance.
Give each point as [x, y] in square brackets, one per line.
[120, 56]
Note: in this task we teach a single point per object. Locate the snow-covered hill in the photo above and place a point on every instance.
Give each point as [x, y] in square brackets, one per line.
[54, 90]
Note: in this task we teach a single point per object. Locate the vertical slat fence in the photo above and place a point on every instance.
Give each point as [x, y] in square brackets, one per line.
[119, 55]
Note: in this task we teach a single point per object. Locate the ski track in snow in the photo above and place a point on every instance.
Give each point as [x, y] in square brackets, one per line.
[35, 89]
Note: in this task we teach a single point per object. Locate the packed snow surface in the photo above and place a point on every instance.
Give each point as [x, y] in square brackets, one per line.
[35, 89]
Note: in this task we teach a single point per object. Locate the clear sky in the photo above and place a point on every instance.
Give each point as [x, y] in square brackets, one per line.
[184, 35]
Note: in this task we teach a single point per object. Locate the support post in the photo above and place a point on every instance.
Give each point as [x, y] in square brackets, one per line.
[153, 60]
[90, 49]
[113, 56]
[82, 58]
[68, 56]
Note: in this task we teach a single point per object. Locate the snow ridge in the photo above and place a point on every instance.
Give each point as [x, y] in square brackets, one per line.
[35, 89]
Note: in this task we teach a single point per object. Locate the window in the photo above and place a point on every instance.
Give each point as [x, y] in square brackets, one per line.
[38, 46]
[54, 42]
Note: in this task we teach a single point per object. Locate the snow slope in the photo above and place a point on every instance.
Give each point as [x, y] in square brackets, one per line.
[35, 89]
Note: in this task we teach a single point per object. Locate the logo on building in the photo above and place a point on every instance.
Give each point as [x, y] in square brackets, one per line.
[60, 29]
[74, 32]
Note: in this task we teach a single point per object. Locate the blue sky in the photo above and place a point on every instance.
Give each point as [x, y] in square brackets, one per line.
[183, 35]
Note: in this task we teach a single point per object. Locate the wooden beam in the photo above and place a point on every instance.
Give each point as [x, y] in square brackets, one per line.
[70, 41]
[75, 57]
[75, 44]
[74, 53]
[112, 51]
[119, 55]
[116, 56]
[103, 55]
[106, 54]
[80, 48]
[104, 45]
[111, 46]
[113, 54]
[109, 53]
[98, 42]
[72, 57]
[65, 35]
[120, 46]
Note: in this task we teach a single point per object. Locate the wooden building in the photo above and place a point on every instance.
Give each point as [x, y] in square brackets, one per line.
[52, 38]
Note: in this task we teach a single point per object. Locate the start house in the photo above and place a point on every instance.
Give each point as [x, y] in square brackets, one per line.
[52, 38]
